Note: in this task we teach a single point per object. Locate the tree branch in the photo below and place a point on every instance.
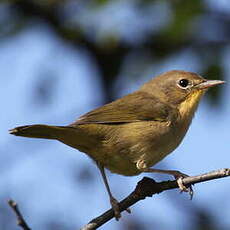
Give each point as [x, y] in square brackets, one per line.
[148, 187]
[145, 188]
[20, 219]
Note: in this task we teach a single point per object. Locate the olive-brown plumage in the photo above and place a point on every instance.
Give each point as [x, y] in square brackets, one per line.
[133, 133]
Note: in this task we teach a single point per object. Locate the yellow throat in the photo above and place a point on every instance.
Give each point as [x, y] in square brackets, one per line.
[188, 107]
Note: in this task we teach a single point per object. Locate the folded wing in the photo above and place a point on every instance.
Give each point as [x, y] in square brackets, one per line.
[134, 107]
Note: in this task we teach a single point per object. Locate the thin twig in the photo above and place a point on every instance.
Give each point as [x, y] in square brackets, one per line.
[148, 187]
[20, 219]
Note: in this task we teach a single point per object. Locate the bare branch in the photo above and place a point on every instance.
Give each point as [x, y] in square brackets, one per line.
[20, 219]
[145, 188]
[148, 187]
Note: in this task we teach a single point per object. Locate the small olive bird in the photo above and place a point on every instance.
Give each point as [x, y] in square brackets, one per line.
[133, 133]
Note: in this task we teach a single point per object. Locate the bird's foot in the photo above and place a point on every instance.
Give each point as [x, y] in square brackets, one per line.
[179, 177]
[115, 206]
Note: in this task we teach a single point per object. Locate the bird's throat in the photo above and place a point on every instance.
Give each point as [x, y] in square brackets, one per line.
[188, 107]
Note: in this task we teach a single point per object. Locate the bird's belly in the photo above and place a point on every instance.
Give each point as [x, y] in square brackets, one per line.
[120, 155]
[123, 166]
[125, 162]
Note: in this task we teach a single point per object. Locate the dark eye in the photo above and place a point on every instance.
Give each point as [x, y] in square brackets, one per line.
[183, 83]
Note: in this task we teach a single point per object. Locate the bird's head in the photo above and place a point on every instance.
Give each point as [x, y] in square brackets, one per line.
[180, 89]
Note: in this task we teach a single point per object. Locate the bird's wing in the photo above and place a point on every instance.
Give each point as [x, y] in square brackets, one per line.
[131, 108]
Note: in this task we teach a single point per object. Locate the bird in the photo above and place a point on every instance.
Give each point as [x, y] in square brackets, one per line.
[131, 134]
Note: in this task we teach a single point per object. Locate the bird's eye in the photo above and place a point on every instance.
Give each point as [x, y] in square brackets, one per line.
[183, 83]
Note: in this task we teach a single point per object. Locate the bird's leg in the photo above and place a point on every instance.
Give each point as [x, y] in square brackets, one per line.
[113, 201]
[141, 165]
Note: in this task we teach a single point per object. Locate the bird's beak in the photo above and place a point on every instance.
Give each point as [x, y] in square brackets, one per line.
[209, 83]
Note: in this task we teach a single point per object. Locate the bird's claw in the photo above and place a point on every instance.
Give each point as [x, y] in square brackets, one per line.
[128, 210]
[179, 177]
[115, 207]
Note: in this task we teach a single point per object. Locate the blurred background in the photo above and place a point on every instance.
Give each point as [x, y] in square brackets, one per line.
[62, 58]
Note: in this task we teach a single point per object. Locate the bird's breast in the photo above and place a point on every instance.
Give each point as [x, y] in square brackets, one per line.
[148, 140]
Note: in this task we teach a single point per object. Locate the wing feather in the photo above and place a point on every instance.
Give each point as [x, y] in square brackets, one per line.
[134, 107]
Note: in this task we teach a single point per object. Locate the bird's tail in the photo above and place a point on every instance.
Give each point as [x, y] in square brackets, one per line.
[39, 131]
